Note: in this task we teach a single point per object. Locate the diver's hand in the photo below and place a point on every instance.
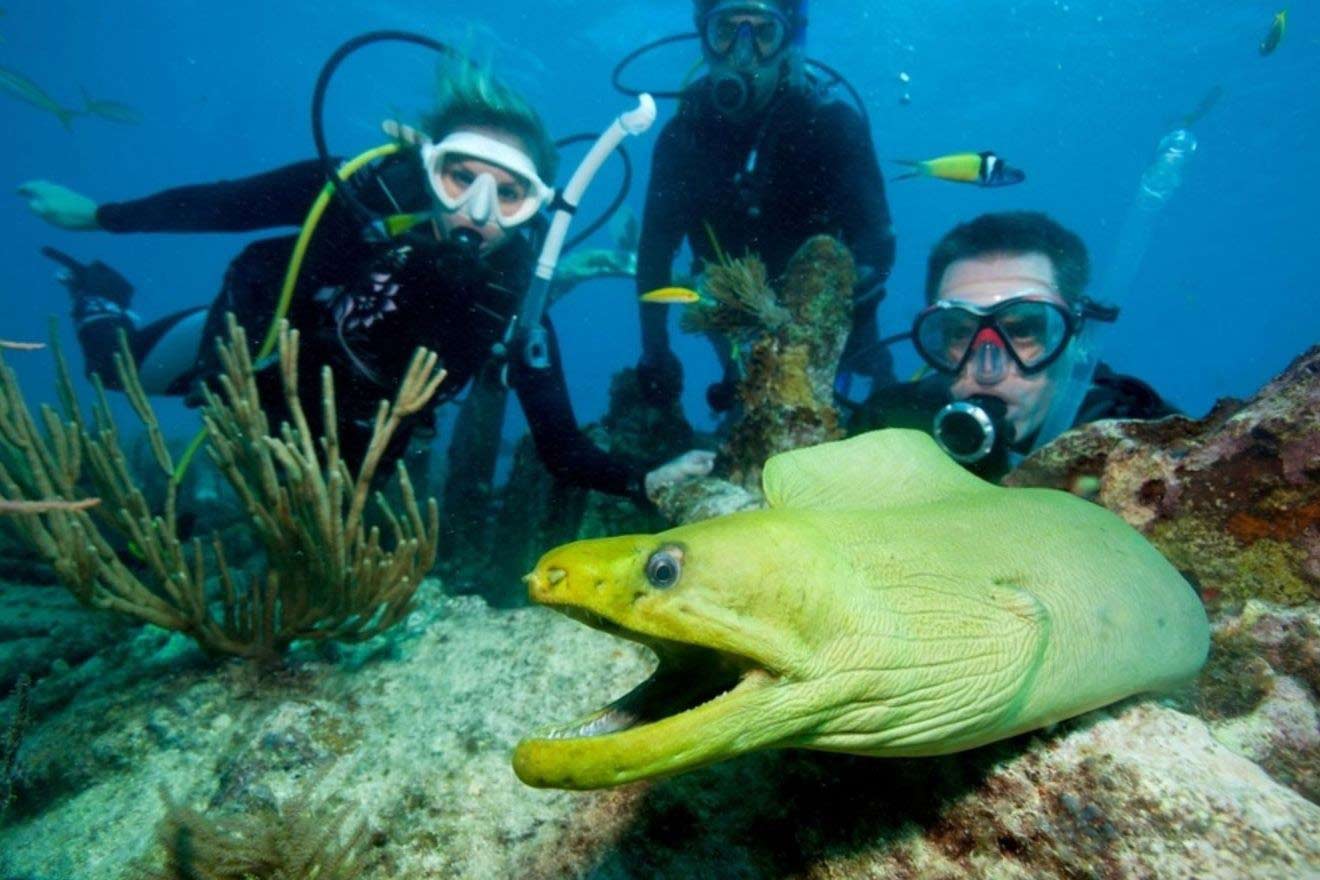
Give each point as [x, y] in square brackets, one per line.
[59, 205]
[661, 376]
[695, 463]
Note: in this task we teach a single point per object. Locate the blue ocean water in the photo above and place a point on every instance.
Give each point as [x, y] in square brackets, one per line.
[1077, 93]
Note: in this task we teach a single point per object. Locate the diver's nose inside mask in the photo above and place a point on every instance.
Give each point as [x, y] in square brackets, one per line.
[989, 357]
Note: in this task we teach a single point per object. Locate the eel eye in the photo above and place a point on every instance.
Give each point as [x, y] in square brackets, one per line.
[664, 567]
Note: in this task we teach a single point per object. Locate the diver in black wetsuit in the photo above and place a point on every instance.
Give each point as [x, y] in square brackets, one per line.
[452, 283]
[759, 160]
[1006, 296]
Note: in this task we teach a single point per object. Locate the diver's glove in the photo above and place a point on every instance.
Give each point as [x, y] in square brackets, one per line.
[690, 465]
[60, 206]
[661, 376]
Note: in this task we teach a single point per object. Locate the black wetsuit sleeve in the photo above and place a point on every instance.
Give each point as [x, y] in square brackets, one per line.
[567, 453]
[664, 223]
[860, 191]
[1118, 396]
[275, 198]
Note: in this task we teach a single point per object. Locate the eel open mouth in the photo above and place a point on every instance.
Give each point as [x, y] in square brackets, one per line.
[687, 677]
[700, 705]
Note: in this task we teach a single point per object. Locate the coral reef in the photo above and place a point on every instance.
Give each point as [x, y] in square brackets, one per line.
[743, 302]
[10, 742]
[1139, 790]
[789, 361]
[328, 576]
[1261, 691]
[43, 628]
[1232, 499]
[696, 500]
[300, 840]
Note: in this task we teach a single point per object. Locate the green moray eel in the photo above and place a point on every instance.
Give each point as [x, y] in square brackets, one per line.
[887, 603]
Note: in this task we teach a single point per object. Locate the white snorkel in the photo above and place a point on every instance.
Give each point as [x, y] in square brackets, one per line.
[527, 336]
[1159, 182]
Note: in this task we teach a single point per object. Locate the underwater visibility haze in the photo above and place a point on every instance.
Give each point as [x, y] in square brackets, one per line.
[352, 683]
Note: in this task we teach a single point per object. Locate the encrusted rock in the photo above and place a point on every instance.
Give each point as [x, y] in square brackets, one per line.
[1232, 499]
[696, 500]
[1261, 691]
[415, 741]
[787, 392]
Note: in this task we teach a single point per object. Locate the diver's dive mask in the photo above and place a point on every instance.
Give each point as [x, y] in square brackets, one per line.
[1032, 331]
[477, 194]
[744, 44]
[744, 33]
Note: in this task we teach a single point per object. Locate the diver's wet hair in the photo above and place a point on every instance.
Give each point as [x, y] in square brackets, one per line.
[470, 95]
[1014, 232]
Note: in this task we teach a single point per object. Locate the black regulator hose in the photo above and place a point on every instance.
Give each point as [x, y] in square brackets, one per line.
[616, 78]
[328, 71]
[840, 79]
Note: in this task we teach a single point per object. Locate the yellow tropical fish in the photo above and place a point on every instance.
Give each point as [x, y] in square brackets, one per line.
[672, 296]
[1275, 35]
[981, 169]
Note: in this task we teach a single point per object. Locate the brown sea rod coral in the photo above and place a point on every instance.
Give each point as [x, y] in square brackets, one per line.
[35, 507]
[787, 390]
[329, 574]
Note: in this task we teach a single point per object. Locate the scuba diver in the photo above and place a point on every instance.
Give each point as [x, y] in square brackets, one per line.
[1006, 301]
[453, 281]
[758, 160]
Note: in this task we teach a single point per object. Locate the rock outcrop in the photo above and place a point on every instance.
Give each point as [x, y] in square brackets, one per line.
[413, 732]
[1232, 499]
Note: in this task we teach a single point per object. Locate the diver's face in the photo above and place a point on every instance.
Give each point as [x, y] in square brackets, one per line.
[988, 281]
[460, 172]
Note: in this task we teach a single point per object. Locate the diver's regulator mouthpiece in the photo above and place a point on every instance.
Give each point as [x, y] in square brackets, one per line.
[467, 238]
[974, 430]
[731, 92]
